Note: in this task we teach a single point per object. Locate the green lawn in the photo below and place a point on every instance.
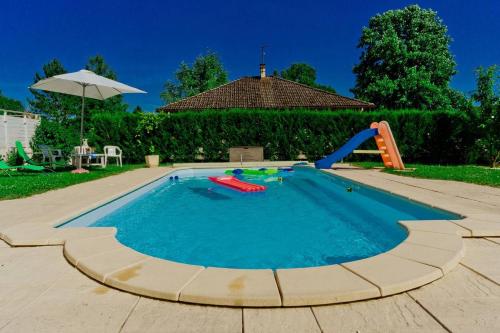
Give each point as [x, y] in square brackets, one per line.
[24, 184]
[464, 173]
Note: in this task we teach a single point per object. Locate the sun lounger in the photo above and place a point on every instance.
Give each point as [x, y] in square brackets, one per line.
[50, 165]
[6, 168]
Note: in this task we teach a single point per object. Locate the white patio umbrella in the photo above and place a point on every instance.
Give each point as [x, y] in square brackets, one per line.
[85, 83]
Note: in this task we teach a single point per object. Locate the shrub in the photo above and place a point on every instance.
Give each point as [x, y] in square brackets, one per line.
[443, 137]
[13, 158]
[117, 129]
[57, 135]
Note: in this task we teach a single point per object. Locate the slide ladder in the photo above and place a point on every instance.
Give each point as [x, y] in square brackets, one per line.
[386, 143]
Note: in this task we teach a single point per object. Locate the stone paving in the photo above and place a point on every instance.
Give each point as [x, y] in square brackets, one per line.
[41, 292]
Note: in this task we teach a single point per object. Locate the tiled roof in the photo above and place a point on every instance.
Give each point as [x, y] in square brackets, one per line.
[265, 93]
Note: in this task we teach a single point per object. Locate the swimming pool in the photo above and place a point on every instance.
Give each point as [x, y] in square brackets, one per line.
[309, 219]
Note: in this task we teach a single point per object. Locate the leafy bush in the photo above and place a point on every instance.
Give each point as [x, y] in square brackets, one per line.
[57, 135]
[488, 115]
[117, 129]
[443, 137]
[13, 158]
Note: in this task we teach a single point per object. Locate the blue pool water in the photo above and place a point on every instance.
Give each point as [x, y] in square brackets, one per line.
[310, 219]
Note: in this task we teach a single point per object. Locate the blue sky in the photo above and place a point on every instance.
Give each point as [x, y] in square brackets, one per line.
[144, 41]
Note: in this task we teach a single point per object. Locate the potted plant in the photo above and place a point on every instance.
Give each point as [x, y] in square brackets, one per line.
[152, 160]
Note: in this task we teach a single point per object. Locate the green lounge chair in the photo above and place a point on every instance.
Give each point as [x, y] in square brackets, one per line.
[6, 168]
[49, 165]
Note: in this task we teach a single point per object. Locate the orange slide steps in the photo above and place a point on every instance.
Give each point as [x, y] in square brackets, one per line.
[385, 142]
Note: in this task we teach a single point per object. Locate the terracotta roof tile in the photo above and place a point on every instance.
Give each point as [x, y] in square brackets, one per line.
[265, 93]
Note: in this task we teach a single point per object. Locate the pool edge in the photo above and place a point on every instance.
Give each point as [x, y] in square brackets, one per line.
[436, 232]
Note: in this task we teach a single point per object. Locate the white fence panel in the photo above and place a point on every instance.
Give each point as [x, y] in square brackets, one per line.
[16, 126]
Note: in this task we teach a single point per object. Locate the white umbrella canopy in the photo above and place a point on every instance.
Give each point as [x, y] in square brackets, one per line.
[85, 83]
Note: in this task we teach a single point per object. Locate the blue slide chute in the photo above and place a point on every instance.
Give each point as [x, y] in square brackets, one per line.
[353, 143]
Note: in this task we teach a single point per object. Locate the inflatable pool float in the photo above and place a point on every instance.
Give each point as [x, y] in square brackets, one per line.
[252, 172]
[273, 179]
[236, 184]
[260, 172]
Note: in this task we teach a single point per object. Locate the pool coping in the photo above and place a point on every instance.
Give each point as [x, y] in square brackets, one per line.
[431, 249]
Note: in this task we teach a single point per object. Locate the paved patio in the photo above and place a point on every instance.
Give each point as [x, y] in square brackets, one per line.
[40, 291]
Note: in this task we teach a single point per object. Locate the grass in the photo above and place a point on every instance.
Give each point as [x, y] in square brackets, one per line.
[464, 173]
[25, 184]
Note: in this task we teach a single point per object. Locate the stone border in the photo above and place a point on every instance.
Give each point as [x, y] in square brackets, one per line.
[413, 263]
[476, 222]
[431, 249]
[427, 254]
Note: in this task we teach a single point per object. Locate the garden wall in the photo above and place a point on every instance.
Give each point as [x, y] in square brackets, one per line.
[16, 126]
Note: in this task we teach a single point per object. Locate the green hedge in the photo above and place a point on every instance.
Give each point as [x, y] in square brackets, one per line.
[443, 137]
[60, 136]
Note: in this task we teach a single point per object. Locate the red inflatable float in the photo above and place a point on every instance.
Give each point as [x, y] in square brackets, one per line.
[236, 184]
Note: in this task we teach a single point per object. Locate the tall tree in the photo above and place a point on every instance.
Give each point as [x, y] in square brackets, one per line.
[488, 96]
[138, 109]
[55, 106]
[98, 65]
[405, 60]
[207, 72]
[11, 104]
[305, 74]
[62, 107]
[301, 73]
[460, 101]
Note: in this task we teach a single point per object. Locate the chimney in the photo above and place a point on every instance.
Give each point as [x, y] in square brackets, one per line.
[262, 70]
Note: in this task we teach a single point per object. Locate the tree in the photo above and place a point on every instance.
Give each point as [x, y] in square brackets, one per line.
[61, 112]
[138, 109]
[301, 73]
[56, 106]
[325, 87]
[62, 107]
[405, 60]
[460, 101]
[207, 72]
[98, 65]
[305, 74]
[488, 97]
[11, 104]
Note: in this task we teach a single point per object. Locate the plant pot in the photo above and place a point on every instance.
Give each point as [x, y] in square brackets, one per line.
[152, 161]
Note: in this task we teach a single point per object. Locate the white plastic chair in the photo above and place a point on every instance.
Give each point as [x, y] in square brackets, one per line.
[113, 152]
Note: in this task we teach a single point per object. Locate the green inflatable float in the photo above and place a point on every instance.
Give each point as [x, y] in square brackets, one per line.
[252, 172]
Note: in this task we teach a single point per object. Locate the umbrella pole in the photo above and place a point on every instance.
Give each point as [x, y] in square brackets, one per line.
[81, 128]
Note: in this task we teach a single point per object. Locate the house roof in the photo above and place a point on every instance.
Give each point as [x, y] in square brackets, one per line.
[265, 93]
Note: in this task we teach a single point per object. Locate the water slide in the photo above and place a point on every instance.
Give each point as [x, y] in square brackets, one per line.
[384, 140]
[353, 143]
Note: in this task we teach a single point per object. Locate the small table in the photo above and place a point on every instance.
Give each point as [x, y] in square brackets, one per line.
[88, 159]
